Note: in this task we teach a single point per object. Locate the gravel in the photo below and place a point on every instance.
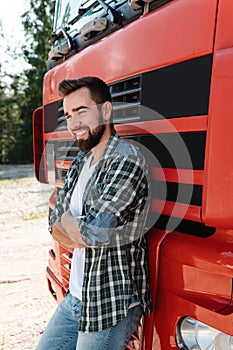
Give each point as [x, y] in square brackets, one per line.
[25, 304]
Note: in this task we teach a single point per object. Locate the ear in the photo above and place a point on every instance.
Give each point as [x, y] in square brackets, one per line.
[106, 110]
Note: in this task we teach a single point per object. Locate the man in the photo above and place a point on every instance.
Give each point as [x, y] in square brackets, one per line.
[101, 213]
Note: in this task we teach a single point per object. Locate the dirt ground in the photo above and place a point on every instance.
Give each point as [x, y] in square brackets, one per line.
[25, 303]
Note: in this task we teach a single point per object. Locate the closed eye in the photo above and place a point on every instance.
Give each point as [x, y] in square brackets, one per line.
[81, 110]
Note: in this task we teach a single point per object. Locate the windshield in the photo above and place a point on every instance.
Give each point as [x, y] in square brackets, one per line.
[66, 10]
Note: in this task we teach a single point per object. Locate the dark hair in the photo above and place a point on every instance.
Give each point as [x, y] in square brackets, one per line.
[99, 90]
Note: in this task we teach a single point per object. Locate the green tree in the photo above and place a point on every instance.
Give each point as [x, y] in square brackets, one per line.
[20, 97]
[37, 22]
[10, 123]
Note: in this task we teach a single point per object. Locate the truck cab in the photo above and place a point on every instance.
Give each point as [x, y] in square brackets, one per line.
[169, 66]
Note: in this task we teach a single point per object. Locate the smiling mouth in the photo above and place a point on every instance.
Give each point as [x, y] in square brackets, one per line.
[79, 132]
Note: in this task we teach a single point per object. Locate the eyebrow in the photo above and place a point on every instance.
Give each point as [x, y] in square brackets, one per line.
[76, 109]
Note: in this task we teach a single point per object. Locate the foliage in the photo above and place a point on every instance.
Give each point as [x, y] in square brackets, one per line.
[24, 94]
[11, 125]
[38, 27]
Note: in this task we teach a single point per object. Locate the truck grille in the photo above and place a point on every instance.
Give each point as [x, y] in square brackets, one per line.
[61, 121]
[126, 98]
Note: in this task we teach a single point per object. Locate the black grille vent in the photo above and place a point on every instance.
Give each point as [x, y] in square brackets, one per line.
[65, 150]
[126, 98]
[61, 121]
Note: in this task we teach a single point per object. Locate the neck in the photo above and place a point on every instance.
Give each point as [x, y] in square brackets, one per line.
[98, 150]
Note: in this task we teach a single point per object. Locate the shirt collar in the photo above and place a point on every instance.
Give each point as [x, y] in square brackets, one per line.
[111, 146]
[109, 149]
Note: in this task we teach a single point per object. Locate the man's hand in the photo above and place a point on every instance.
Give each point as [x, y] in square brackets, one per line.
[60, 236]
[70, 225]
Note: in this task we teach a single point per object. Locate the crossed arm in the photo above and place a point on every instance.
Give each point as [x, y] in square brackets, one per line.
[124, 192]
[67, 232]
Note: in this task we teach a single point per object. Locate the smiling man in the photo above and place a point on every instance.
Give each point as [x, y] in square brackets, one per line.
[101, 213]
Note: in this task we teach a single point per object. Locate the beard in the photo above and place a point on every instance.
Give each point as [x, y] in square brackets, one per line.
[93, 139]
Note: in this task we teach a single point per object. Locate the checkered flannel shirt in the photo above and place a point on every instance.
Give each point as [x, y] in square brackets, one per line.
[115, 206]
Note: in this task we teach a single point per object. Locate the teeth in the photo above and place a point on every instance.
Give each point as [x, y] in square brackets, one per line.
[80, 132]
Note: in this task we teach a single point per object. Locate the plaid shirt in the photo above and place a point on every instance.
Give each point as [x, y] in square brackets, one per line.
[115, 207]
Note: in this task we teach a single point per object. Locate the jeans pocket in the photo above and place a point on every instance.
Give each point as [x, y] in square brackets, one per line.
[133, 318]
[76, 307]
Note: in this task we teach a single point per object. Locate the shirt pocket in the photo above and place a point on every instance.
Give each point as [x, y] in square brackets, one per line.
[94, 193]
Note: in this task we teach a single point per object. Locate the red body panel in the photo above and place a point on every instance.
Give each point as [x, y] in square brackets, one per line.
[218, 192]
[195, 280]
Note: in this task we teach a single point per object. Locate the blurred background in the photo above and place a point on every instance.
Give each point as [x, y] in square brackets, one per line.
[25, 304]
[25, 27]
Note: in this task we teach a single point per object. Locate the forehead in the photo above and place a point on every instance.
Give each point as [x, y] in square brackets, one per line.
[80, 97]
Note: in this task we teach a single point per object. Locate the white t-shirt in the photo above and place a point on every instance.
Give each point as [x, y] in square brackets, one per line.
[77, 265]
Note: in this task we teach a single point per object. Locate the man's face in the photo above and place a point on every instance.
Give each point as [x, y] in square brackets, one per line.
[84, 120]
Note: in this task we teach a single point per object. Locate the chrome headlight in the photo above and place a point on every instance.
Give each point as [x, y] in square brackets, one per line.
[194, 335]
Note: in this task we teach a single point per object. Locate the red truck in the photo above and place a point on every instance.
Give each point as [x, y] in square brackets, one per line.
[174, 58]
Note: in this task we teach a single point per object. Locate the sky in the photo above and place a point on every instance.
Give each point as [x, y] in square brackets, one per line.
[10, 14]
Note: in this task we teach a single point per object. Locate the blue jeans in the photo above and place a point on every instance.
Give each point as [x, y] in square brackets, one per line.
[62, 332]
